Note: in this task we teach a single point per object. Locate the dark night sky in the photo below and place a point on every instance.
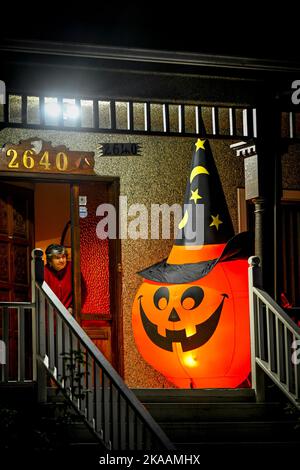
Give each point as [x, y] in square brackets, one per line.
[183, 26]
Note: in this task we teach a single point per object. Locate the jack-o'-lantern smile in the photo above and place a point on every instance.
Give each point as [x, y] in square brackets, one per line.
[190, 299]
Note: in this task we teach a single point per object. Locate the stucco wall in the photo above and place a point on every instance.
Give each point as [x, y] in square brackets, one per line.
[158, 176]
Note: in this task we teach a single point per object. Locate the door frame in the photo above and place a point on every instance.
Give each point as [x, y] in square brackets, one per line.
[115, 284]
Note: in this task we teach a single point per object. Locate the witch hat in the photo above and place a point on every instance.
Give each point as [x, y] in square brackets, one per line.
[205, 233]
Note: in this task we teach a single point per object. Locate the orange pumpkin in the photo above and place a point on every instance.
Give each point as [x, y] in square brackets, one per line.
[190, 315]
[197, 334]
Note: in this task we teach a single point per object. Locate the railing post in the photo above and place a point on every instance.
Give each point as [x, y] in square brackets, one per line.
[39, 372]
[257, 374]
[37, 266]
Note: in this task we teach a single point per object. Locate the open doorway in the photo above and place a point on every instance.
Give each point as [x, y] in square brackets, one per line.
[51, 213]
[35, 213]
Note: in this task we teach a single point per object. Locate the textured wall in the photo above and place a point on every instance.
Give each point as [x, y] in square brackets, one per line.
[158, 176]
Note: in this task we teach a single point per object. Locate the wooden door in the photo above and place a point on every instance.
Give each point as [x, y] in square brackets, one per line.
[16, 242]
[97, 280]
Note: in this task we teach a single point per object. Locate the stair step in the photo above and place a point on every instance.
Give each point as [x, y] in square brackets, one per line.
[71, 432]
[232, 431]
[177, 411]
[56, 410]
[163, 395]
[55, 395]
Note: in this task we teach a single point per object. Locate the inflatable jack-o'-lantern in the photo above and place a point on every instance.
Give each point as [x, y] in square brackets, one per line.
[190, 315]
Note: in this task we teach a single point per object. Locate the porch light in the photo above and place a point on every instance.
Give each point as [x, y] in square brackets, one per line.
[71, 111]
[52, 109]
[190, 361]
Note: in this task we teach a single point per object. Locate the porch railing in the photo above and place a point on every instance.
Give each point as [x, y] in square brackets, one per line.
[17, 342]
[275, 341]
[88, 380]
[41, 338]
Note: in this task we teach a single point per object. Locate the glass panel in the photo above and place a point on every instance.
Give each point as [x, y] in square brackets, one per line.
[104, 114]
[71, 112]
[33, 110]
[15, 108]
[139, 116]
[94, 269]
[224, 126]
[122, 115]
[239, 130]
[86, 113]
[52, 111]
[174, 118]
[207, 119]
[156, 112]
[190, 119]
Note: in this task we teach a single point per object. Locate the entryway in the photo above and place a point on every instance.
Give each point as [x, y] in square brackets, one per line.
[35, 212]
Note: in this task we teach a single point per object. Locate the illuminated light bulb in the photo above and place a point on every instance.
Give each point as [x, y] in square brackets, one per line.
[52, 109]
[190, 330]
[190, 361]
[71, 111]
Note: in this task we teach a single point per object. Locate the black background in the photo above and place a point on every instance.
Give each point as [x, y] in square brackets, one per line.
[266, 31]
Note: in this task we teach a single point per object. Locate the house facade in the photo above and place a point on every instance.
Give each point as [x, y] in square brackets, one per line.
[86, 127]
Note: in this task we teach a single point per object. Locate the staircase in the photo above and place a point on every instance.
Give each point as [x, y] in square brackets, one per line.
[49, 430]
[88, 410]
[211, 423]
[217, 423]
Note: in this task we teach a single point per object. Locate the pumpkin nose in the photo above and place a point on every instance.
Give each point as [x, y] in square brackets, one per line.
[174, 315]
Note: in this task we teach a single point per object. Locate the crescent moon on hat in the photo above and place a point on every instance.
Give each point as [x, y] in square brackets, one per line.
[198, 170]
[184, 220]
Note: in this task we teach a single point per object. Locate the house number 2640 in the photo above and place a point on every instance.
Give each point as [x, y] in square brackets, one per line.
[30, 160]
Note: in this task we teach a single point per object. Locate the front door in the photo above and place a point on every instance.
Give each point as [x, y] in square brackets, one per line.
[97, 277]
[16, 243]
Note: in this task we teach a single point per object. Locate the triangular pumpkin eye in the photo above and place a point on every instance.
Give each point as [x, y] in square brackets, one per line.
[161, 298]
[192, 297]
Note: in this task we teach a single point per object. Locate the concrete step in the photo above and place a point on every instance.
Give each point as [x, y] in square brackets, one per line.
[238, 431]
[180, 412]
[56, 410]
[163, 395]
[71, 430]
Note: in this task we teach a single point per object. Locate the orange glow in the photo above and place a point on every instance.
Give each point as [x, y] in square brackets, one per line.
[197, 334]
[190, 361]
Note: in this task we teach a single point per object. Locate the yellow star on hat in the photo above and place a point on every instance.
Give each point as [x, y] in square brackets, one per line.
[216, 221]
[199, 144]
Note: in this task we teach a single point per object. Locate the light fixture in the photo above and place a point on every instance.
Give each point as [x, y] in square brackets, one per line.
[71, 111]
[52, 109]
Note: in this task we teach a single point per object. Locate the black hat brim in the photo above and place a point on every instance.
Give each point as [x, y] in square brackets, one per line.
[238, 247]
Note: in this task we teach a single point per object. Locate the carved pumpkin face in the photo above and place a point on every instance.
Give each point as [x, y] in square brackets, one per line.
[197, 334]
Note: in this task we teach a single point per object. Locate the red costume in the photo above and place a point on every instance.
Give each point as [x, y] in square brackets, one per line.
[61, 283]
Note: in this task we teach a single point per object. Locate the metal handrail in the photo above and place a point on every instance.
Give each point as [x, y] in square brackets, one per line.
[94, 387]
[275, 339]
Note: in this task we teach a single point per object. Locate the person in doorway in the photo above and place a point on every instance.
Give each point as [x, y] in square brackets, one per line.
[58, 274]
